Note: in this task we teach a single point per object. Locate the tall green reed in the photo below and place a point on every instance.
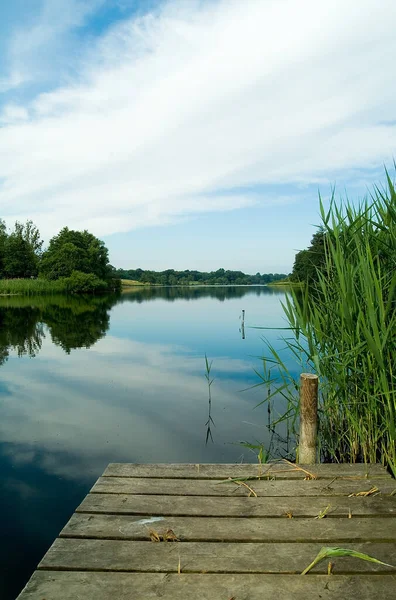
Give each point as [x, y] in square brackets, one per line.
[344, 329]
[28, 287]
[209, 380]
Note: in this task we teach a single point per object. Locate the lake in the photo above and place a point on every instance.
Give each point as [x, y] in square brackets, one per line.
[85, 382]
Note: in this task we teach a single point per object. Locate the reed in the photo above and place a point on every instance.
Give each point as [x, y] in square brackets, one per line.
[77, 283]
[344, 330]
[209, 380]
[332, 553]
[28, 287]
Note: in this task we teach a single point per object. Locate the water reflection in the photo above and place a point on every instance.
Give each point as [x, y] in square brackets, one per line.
[20, 330]
[34, 504]
[116, 379]
[143, 294]
[79, 322]
[78, 325]
[72, 323]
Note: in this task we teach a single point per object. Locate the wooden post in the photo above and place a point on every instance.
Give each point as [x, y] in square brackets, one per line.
[308, 418]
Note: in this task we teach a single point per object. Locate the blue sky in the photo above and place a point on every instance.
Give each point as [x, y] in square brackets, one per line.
[192, 133]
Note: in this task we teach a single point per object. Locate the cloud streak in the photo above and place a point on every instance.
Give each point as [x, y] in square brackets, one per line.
[169, 112]
[39, 48]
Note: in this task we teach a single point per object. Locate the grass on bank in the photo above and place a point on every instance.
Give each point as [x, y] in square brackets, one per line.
[77, 283]
[286, 283]
[27, 287]
[132, 283]
[345, 332]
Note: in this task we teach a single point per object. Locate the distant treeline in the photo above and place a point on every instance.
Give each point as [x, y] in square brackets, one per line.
[219, 277]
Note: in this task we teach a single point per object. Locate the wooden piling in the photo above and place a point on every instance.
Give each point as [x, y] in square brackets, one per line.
[308, 418]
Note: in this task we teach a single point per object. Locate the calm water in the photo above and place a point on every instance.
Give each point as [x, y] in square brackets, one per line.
[88, 382]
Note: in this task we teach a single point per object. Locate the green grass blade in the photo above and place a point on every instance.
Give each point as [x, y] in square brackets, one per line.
[325, 553]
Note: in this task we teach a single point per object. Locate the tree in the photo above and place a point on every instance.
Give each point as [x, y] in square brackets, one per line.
[75, 251]
[308, 262]
[20, 250]
[3, 238]
[31, 235]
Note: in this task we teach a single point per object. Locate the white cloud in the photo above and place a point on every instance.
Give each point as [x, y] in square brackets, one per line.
[10, 81]
[40, 46]
[199, 97]
[12, 114]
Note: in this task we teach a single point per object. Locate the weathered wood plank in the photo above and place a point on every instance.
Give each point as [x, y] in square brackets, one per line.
[325, 531]
[231, 545]
[223, 471]
[236, 507]
[198, 557]
[200, 487]
[139, 586]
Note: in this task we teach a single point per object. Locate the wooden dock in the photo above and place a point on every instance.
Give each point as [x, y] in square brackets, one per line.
[188, 531]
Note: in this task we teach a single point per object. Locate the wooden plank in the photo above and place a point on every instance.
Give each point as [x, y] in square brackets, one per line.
[236, 507]
[231, 545]
[139, 586]
[325, 531]
[223, 471]
[199, 487]
[198, 557]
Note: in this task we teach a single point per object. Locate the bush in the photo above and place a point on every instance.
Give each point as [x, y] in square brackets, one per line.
[84, 283]
[114, 285]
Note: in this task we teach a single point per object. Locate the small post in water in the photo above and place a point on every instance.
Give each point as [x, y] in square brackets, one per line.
[243, 325]
[308, 418]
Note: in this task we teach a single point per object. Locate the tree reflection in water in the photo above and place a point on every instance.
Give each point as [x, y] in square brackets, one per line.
[71, 322]
[79, 322]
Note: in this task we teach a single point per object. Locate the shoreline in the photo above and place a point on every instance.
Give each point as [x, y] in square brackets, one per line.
[139, 284]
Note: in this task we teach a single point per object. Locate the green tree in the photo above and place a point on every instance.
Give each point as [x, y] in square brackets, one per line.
[19, 259]
[75, 251]
[187, 277]
[20, 250]
[31, 235]
[3, 238]
[308, 262]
